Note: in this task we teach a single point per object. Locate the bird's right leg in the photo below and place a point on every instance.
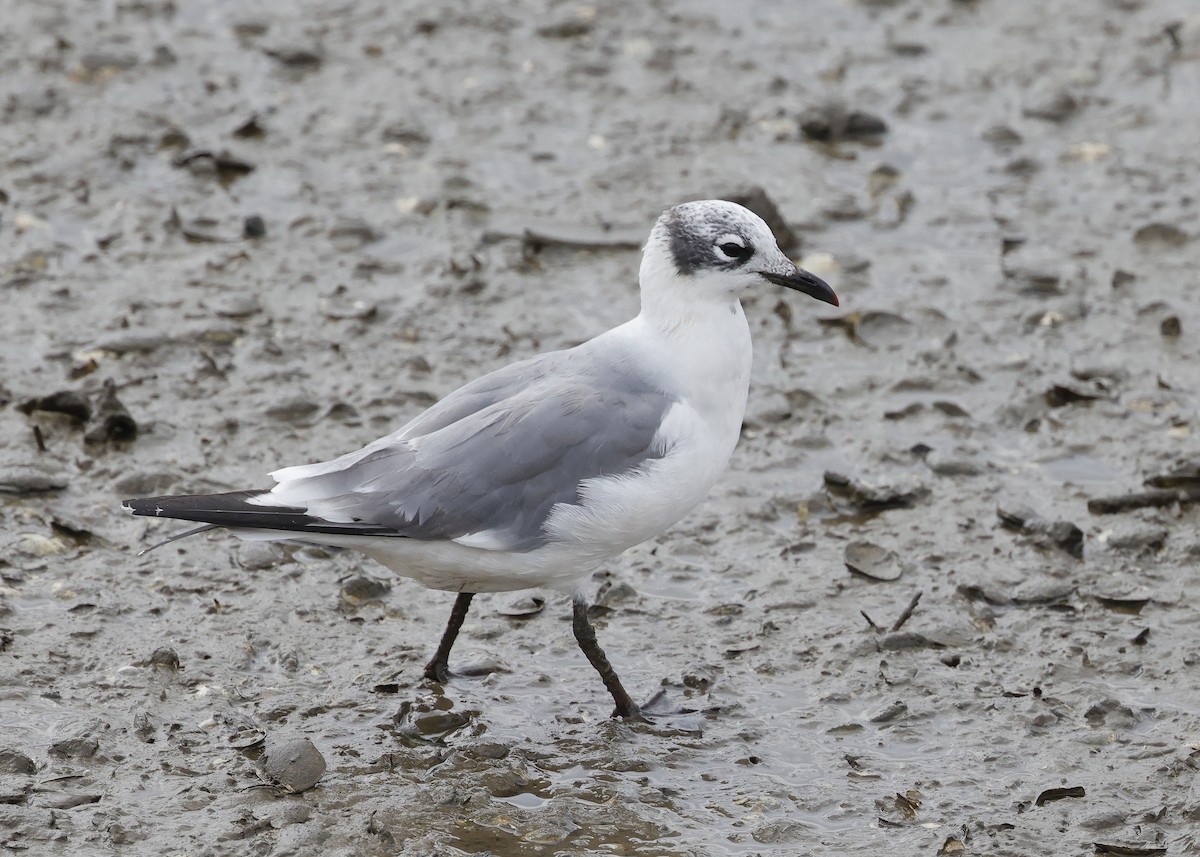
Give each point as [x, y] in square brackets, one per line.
[585, 635]
[438, 668]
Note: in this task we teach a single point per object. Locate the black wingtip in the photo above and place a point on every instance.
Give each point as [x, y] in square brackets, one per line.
[235, 511]
[232, 509]
[180, 506]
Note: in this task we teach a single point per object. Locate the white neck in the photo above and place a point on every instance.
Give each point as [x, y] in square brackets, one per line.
[705, 342]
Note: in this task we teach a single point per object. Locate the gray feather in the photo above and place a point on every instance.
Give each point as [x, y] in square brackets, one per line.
[497, 455]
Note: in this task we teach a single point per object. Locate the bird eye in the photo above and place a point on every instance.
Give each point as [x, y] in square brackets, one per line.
[735, 250]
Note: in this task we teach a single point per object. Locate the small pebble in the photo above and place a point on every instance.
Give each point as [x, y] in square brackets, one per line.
[15, 762]
[292, 763]
[254, 227]
[166, 657]
[75, 748]
[360, 587]
[25, 479]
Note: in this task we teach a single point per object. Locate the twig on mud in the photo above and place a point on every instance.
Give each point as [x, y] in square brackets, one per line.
[908, 611]
[870, 621]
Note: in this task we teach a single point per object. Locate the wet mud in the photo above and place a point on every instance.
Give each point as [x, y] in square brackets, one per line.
[934, 607]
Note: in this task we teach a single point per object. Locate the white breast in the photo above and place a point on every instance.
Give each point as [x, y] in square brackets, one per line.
[707, 361]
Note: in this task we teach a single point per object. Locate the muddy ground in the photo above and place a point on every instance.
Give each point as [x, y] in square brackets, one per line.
[284, 229]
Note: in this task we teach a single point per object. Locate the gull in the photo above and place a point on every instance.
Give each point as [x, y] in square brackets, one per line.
[538, 473]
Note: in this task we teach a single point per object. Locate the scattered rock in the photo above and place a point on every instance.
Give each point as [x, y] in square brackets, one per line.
[1121, 279]
[342, 411]
[777, 832]
[98, 66]
[889, 712]
[424, 722]
[1183, 476]
[404, 133]
[341, 308]
[873, 328]
[251, 129]
[832, 123]
[254, 227]
[130, 343]
[1043, 592]
[1160, 236]
[1132, 535]
[299, 57]
[225, 167]
[951, 409]
[1034, 270]
[1059, 794]
[67, 800]
[479, 666]
[165, 657]
[569, 28]
[143, 728]
[1143, 500]
[1002, 137]
[27, 479]
[38, 545]
[1060, 395]
[15, 762]
[700, 677]
[1107, 848]
[1052, 104]
[1129, 603]
[844, 207]
[612, 594]
[112, 421]
[295, 410]
[97, 61]
[14, 791]
[292, 763]
[146, 483]
[75, 748]
[257, 556]
[74, 405]
[1103, 820]
[351, 234]
[1171, 326]
[523, 607]
[944, 464]
[1062, 535]
[238, 306]
[868, 497]
[488, 748]
[899, 641]
[872, 561]
[360, 588]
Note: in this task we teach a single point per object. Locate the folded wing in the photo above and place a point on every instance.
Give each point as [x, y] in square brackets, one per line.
[485, 466]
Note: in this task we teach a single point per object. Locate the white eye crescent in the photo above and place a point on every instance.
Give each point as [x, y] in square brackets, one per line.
[733, 247]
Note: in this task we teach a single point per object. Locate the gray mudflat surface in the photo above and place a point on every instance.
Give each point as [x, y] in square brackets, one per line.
[1017, 259]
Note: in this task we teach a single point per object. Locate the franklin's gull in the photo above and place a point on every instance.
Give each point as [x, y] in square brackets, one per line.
[537, 473]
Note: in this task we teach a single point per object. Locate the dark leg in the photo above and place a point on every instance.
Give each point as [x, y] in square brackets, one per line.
[438, 668]
[585, 634]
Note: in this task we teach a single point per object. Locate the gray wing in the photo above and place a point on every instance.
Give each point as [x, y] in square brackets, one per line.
[491, 460]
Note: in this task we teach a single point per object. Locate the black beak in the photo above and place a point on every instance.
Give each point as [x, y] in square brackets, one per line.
[803, 281]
